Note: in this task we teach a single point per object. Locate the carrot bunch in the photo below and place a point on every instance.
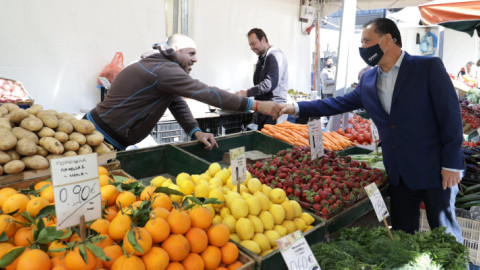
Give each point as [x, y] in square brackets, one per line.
[297, 134]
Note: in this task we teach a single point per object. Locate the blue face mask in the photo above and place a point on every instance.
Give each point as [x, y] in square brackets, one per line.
[372, 54]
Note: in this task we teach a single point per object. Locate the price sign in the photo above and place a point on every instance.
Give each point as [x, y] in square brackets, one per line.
[104, 82]
[76, 189]
[315, 137]
[373, 128]
[377, 201]
[296, 253]
[239, 165]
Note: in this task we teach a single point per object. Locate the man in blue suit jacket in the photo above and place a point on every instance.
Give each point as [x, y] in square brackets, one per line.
[413, 103]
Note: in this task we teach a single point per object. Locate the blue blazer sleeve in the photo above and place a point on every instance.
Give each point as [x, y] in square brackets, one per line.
[332, 106]
[447, 110]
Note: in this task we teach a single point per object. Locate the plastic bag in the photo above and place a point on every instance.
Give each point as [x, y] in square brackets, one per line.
[111, 70]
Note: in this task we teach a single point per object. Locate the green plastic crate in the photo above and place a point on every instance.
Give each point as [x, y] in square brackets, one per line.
[274, 259]
[252, 140]
[166, 160]
[354, 151]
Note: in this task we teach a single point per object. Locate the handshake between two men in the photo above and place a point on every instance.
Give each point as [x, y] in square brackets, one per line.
[274, 109]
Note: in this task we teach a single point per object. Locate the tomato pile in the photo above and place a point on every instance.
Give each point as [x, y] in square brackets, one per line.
[470, 121]
[360, 131]
[324, 186]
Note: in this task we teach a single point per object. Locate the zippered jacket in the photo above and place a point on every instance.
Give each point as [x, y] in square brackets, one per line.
[142, 92]
[271, 77]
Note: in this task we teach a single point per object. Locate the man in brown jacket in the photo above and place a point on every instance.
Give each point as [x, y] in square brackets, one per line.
[142, 91]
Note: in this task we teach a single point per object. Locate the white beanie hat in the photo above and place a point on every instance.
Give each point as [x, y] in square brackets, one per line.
[180, 41]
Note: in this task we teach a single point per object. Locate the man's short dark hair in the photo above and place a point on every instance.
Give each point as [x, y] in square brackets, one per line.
[385, 26]
[329, 57]
[259, 33]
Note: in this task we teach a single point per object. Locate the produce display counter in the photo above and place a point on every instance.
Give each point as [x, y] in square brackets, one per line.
[169, 160]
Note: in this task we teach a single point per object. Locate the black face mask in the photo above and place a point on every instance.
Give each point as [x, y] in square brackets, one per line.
[329, 65]
[371, 55]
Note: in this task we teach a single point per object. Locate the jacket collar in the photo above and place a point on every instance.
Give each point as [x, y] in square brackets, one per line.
[405, 69]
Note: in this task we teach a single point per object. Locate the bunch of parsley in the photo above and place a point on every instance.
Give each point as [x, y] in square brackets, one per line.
[371, 248]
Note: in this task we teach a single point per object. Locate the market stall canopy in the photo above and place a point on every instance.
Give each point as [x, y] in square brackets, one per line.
[330, 6]
[461, 16]
[409, 16]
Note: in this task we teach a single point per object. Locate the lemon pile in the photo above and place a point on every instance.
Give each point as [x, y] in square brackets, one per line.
[257, 215]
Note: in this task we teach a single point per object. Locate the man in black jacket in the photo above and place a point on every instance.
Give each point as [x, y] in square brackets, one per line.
[271, 75]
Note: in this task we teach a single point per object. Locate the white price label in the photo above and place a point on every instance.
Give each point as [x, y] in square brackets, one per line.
[76, 189]
[377, 201]
[374, 130]
[315, 137]
[296, 253]
[104, 82]
[239, 165]
[478, 131]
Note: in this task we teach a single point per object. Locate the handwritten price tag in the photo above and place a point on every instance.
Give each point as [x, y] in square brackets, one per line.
[377, 201]
[296, 253]
[315, 137]
[239, 165]
[76, 189]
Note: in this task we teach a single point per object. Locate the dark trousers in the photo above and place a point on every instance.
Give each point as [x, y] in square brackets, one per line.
[439, 206]
[261, 119]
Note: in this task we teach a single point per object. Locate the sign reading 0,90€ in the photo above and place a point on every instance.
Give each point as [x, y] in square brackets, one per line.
[76, 189]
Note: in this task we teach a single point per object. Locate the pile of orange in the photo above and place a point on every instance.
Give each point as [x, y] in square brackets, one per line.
[171, 239]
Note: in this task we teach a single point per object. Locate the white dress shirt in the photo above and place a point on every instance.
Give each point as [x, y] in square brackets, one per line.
[386, 83]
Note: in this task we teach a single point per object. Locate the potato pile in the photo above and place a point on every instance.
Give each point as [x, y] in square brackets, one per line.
[30, 138]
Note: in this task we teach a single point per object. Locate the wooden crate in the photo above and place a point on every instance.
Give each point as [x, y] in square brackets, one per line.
[25, 178]
[120, 172]
[248, 263]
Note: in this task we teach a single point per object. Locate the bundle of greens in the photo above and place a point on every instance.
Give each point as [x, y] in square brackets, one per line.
[371, 248]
